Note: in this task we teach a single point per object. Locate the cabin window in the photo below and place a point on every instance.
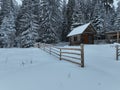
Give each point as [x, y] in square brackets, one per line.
[75, 38]
[90, 39]
[78, 38]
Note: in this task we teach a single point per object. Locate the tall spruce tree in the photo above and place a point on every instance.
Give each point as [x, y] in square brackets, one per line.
[98, 18]
[27, 24]
[7, 6]
[107, 4]
[51, 21]
[78, 17]
[103, 16]
[69, 19]
[7, 31]
[7, 21]
[117, 19]
[64, 23]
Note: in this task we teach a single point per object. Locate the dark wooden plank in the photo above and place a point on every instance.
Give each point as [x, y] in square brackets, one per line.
[71, 57]
[54, 49]
[71, 53]
[55, 53]
[71, 49]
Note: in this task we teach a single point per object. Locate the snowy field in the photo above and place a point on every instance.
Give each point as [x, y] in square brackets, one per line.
[34, 69]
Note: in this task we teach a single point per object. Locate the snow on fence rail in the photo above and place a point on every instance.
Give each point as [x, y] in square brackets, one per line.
[74, 55]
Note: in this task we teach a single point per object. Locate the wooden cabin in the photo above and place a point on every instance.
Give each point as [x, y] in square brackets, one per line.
[113, 36]
[82, 34]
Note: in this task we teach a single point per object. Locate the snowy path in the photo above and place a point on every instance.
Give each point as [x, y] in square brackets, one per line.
[42, 71]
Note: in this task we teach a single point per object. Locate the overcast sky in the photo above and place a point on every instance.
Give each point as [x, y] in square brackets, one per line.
[19, 1]
[115, 2]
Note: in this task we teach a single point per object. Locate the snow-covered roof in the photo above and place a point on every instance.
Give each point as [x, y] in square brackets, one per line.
[78, 30]
[109, 32]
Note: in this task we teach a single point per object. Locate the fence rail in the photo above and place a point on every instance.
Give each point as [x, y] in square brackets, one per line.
[74, 55]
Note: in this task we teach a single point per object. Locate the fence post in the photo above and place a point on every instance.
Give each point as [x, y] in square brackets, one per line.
[82, 55]
[60, 53]
[117, 52]
[44, 46]
[38, 44]
[50, 49]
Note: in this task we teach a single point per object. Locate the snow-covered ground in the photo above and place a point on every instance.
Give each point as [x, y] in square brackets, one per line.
[34, 69]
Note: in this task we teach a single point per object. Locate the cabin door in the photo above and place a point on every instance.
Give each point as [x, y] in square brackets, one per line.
[85, 40]
[88, 39]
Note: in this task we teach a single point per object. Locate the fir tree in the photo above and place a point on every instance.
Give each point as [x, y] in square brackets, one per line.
[28, 25]
[51, 21]
[7, 31]
[117, 19]
[69, 19]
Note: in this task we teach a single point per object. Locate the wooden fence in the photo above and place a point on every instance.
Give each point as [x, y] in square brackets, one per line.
[117, 51]
[74, 55]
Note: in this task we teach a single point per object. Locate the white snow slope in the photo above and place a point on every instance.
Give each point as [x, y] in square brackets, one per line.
[34, 69]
